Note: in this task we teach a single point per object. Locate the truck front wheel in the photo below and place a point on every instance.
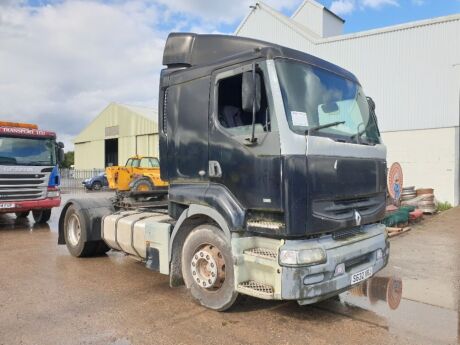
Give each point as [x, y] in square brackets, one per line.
[207, 268]
[41, 216]
[22, 214]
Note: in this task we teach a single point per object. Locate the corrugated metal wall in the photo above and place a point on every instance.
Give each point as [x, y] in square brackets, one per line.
[89, 155]
[136, 134]
[147, 145]
[409, 73]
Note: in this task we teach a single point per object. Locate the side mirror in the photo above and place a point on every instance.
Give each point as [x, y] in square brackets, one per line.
[250, 91]
[60, 155]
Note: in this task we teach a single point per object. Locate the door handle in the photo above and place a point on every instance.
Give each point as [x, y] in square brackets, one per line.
[214, 169]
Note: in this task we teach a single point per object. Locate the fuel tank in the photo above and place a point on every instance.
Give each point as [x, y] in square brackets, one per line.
[134, 232]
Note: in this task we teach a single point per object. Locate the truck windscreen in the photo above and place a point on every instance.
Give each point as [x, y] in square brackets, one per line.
[333, 106]
[27, 151]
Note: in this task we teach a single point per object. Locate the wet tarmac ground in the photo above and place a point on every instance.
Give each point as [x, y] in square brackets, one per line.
[49, 297]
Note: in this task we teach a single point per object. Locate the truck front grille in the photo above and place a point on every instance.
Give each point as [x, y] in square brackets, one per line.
[343, 209]
[349, 264]
[22, 187]
[347, 233]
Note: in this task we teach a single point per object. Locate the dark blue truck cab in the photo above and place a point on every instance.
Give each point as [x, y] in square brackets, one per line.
[276, 171]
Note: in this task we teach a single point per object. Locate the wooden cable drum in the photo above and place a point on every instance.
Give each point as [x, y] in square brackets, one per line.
[423, 191]
[388, 289]
[395, 181]
[360, 290]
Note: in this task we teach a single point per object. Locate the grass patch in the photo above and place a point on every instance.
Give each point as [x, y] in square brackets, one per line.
[443, 206]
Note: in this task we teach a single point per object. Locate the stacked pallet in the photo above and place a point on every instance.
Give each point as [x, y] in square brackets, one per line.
[395, 231]
[424, 201]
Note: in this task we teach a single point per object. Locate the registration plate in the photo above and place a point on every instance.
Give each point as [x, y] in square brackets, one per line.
[7, 205]
[360, 276]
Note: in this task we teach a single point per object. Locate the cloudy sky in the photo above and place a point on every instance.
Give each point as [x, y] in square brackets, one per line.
[62, 62]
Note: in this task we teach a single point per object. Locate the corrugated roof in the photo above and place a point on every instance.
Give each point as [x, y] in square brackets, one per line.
[315, 39]
[146, 116]
[302, 30]
[149, 113]
[296, 12]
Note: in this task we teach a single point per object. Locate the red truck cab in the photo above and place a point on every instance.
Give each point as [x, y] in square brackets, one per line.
[29, 174]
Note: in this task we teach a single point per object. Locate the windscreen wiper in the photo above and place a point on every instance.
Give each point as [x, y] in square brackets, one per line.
[37, 163]
[327, 125]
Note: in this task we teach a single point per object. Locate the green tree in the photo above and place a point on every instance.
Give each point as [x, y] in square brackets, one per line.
[68, 159]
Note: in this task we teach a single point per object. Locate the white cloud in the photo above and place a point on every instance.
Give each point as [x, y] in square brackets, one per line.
[379, 3]
[342, 7]
[221, 12]
[63, 63]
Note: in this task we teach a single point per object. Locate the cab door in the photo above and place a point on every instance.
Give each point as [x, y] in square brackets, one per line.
[250, 171]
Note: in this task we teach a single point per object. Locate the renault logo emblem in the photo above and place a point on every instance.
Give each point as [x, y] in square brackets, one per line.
[357, 218]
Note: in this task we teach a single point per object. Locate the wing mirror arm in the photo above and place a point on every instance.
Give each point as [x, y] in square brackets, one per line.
[251, 99]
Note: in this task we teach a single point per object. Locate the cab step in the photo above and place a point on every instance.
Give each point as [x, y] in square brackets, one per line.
[256, 289]
[264, 253]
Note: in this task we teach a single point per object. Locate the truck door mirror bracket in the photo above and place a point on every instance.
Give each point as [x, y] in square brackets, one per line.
[251, 97]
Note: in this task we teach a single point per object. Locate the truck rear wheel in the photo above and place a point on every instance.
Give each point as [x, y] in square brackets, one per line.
[41, 216]
[75, 232]
[22, 214]
[207, 268]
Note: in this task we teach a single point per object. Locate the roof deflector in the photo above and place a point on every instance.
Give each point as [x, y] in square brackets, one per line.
[188, 49]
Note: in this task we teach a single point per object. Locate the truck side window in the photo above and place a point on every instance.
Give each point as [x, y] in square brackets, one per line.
[230, 113]
[129, 162]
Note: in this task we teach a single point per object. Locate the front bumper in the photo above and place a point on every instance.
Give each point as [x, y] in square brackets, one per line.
[22, 206]
[315, 283]
[259, 273]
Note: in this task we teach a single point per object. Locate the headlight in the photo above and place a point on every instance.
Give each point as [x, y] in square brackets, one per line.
[53, 193]
[303, 257]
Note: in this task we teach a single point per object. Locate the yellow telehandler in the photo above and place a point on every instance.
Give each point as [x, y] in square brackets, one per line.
[140, 174]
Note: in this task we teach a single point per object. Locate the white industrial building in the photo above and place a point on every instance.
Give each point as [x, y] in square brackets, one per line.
[412, 71]
[120, 131]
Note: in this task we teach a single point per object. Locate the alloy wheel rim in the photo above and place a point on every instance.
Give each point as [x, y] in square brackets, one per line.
[74, 230]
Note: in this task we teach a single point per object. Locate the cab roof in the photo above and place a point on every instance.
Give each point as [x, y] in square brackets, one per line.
[186, 50]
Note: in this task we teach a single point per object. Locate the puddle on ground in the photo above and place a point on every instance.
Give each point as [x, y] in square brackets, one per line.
[381, 301]
[10, 222]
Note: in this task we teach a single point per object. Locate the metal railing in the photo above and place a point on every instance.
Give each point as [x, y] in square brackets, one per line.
[71, 179]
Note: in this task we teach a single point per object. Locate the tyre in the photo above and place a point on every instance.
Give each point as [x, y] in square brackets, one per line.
[207, 268]
[142, 185]
[75, 232]
[22, 214]
[96, 185]
[41, 216]
[101, 248]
